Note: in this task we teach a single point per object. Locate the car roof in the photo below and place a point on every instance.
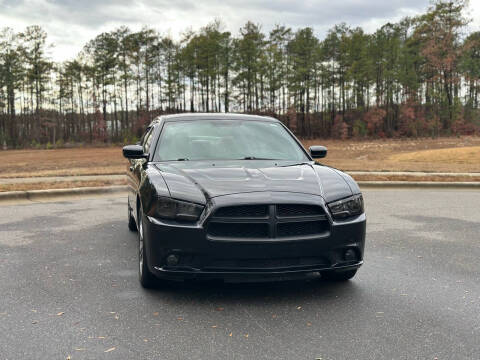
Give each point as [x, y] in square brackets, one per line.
[211, 116]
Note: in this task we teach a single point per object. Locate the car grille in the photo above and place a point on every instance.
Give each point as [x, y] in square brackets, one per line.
[257, 222]
[249, 211]
[302, 228]
[298, 210]
[238, 230]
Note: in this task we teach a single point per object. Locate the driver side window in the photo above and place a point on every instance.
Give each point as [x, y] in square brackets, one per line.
[147, 140]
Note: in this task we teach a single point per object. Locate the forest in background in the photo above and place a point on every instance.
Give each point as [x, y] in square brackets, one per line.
[415, 78]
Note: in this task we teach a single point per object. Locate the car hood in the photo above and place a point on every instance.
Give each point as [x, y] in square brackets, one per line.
[199, 181]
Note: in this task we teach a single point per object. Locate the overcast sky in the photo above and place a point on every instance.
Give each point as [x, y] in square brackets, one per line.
[71, 23]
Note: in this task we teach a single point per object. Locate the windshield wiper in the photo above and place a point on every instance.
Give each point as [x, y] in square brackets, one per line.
[255, 158]
[183, 159]
[297, 164]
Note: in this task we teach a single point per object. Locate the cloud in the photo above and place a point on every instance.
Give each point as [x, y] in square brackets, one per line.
[71, 23]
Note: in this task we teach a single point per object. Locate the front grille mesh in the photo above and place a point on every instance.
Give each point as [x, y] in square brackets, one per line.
[238, 230]
[301, 228]
[268, 222]
[287, 210]
[250, 211]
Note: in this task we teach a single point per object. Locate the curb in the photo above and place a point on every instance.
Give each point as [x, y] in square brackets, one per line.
[100, 190]
[413, 173]
[39, 194]
[420, 184]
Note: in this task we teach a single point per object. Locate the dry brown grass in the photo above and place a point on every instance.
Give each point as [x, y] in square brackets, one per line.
[62, 162]
[430, 155]
[442, 155]
[58, 185]
[467, 155]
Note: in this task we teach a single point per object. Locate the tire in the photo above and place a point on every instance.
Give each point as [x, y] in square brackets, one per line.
[339, 276]
[147, 279]
[132, 226]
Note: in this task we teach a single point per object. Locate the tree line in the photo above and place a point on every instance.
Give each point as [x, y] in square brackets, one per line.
[417, 77]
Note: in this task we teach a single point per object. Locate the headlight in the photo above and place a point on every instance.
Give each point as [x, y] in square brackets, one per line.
[351, 206]
[168, 208]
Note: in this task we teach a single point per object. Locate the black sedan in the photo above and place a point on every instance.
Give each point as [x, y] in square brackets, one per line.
[236, 197]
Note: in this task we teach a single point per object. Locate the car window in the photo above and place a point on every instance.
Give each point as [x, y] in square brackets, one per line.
[227, 140]
[144, 136]
[147, 141]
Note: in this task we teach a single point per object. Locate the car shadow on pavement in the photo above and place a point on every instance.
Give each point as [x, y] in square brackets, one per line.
[205, 291]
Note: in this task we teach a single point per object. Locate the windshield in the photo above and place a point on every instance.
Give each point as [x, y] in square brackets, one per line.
[227, 140]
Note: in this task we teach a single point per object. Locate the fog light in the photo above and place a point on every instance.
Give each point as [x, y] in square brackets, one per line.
[350, 255]
[172, 260]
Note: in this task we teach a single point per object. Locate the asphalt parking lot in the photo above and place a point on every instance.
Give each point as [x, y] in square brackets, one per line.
[69, 289]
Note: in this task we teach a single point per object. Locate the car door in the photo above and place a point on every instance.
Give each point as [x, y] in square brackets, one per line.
[135, 168]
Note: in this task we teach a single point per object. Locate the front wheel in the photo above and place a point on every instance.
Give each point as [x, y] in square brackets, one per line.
[147, 279]
[338, 276]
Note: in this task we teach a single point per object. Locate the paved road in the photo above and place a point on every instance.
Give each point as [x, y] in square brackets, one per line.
[68, 287]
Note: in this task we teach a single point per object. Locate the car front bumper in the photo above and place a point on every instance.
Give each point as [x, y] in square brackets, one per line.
[201, 258]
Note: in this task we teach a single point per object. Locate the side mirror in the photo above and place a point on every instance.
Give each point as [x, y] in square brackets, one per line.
[134, 152]
[318, 151]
